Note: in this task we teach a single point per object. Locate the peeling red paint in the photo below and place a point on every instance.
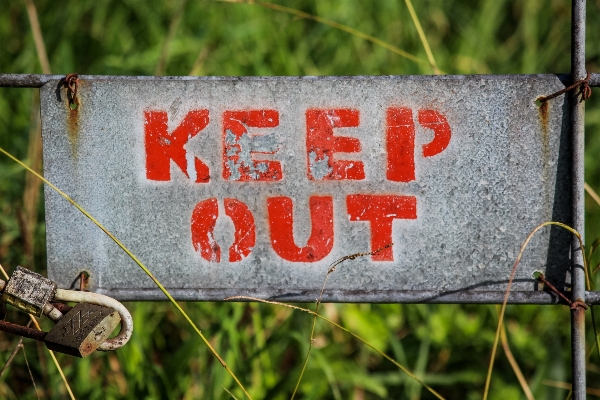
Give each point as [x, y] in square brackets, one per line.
[204, 219]
[245, 230]
[162, 146]
[321, 145]
[239, 145]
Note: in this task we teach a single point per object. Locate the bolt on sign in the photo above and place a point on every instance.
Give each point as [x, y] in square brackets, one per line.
[254, 186]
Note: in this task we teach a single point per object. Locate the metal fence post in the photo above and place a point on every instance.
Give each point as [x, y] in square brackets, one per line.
[577, 128]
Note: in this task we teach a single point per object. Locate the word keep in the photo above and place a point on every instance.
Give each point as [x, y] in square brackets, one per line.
[241, 163]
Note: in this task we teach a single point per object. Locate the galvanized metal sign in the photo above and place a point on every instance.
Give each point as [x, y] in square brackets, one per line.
[253, 186]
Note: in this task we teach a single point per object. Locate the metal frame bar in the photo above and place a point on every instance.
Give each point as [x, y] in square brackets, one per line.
[577, 130]
[344, 296]
[21, 330]
[39, 80]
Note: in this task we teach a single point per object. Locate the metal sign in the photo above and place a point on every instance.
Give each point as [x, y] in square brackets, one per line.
[254, 186]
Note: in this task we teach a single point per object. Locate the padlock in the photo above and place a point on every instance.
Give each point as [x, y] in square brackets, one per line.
[82, 329]
[28, 291]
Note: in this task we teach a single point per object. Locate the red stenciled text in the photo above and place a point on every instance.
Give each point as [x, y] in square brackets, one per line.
[247, 138]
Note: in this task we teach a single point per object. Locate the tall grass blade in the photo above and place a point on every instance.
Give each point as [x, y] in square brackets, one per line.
[330, 270]
[310, 345]
[31, 192]
[333, 24]
[60, 371]
[568, 386]
[38, 38]
[514, 365]
[29, 370]
[231, 394]
[198, 64]
[161, 66]
[354, 335]
[510, 281]
[592, 193]
[417, 23]
[11, 357]
[597, 341]
[138, 262]
[594, 246]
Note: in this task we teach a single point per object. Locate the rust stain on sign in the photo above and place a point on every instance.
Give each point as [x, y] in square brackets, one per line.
[543, 113]
[544, 117]
[73, 106]
[73, 124]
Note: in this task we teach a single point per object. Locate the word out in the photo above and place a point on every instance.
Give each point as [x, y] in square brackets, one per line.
[241, 150]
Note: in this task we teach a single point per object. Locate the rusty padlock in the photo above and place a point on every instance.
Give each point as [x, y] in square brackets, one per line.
[82, 329]
[28, 291]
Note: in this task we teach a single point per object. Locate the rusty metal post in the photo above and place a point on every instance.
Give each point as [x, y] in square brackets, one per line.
[577, 130]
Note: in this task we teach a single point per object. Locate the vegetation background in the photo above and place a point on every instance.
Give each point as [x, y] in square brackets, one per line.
[448, 346]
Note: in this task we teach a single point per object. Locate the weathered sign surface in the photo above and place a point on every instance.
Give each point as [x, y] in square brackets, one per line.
[253, 186]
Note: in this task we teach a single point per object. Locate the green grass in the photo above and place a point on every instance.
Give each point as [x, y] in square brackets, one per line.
[448, 346]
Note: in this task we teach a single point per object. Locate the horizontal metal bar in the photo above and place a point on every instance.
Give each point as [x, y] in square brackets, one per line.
[21, 330]
[26, 80]
[592, 298]
[38, 80]
[344, 296]
[595, 80]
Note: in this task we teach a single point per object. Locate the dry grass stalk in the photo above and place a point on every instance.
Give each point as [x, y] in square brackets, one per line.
[354, 335]
[31, 193]
[422, 36]
[333, 24]
[592, 193]
[510, 281]
[164, 52]
[568, 386]
[514, 365]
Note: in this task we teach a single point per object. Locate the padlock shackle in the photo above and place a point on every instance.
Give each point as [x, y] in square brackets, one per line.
[52, 312]
[101, 300]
